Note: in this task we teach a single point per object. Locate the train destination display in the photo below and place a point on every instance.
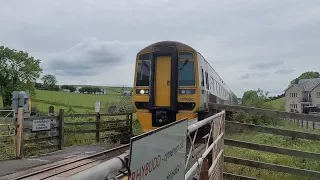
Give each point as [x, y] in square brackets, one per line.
[159, 153]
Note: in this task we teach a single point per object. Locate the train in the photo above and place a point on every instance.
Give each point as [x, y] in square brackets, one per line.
[173, 81]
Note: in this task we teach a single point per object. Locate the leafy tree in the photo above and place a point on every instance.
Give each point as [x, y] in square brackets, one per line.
[307, 75]
[49, 81]
[18, 72]
[255, 98]
[70, 87]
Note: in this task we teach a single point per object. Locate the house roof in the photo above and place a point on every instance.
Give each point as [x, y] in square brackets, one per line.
[306, 84]
[309, 84]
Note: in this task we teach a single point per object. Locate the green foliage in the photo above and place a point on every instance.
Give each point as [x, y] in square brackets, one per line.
[70, 87]
[90, 90]
[18, 71]
[49, 81]
[255, 99]
[307, 75]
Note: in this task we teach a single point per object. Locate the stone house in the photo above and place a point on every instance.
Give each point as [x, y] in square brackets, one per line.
[304, 92]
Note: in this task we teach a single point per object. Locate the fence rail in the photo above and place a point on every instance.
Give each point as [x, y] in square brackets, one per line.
[266, 112]
[59, 128]
[271, 149]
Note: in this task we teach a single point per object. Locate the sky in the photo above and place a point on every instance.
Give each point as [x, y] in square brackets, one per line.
[250, 43]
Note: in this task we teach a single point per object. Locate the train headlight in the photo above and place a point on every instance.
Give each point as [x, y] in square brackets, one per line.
[142, 91]
[187, 91]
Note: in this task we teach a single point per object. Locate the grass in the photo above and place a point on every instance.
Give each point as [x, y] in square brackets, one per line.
[80, 103]
[278, 104]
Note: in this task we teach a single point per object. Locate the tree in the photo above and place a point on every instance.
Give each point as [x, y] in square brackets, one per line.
[18, 72]
[49, 81]
[70, 87]
[255, 98]
[307, 75]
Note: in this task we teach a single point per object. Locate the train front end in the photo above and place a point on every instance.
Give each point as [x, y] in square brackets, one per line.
[165, 84]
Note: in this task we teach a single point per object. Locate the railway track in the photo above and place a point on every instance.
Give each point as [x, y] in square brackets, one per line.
[64, 170]
[61, 171]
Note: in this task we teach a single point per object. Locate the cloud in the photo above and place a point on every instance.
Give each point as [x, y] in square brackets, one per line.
[253, 75]
[245, 76]
[239, 38]
[266, 65]
[90, 57]
[284, 71]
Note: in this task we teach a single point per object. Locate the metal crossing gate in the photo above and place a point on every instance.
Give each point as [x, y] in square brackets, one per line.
[7, 134]
[213, 146]
[196, 160]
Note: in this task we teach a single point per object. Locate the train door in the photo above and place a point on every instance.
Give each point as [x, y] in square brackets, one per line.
[163, 81]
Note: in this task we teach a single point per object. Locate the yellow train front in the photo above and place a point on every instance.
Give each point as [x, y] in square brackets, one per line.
[165, 84]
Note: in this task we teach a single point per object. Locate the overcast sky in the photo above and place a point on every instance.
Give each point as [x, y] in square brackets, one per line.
[250, 43]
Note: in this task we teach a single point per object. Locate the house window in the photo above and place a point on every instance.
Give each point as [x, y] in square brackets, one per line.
[293, 106]
[293, 95]
[318, 94]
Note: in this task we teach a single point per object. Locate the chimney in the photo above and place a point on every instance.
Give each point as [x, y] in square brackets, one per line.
[296, 81]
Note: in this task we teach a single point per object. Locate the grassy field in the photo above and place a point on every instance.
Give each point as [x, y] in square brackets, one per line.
[278, 104]
[77, 103]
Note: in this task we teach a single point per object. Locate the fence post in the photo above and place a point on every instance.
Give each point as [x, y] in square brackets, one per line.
[313, 125]
[61, 128]
[98, 127]
[130, 129]
[19, 132]
[204, 170]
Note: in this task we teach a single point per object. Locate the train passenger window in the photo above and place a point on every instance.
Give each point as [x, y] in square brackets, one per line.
[202, 78]
[212, 82]
[207, 81]
[186, 69]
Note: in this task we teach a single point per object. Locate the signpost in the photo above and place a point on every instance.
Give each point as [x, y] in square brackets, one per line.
[159, 153]
[41, 125]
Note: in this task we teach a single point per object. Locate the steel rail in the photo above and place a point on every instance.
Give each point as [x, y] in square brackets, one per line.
[71, 162]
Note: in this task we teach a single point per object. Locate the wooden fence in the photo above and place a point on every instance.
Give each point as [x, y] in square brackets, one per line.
[40, 134]
[233, 125]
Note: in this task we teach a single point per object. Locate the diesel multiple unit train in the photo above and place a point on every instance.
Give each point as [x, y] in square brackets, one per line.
[173, 81]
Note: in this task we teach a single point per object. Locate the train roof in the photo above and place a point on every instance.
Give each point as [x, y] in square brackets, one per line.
[177, 44]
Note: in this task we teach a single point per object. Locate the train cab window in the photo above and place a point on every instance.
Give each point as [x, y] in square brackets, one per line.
[186, 69]
[143, 71]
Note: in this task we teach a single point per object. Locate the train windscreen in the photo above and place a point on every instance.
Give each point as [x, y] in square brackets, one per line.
[143, 70]
[186, 69]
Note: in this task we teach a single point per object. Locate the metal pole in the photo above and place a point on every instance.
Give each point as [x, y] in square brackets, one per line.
[101, 171]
